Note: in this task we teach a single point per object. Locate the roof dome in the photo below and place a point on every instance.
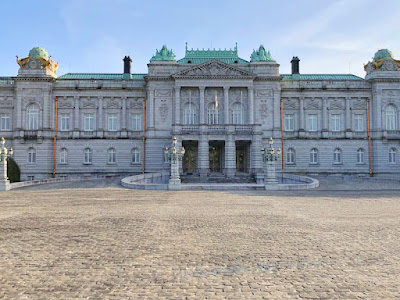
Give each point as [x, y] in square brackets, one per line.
[38, 52]
[383, 54]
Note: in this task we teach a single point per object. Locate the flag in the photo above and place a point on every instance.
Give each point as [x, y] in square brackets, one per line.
[216, 100]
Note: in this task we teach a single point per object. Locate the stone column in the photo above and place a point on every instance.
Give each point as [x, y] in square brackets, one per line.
[250, 92]
[203, 156]
[151, 108]
[256, 156]
[100, 117]
[174, 182]
[301, 114]
[230, 155]
[226, 105]
[348, 118]
[46, 109]
[177, 105]
[325, 118]
[18, 114]
[202, 108]
[277, 113]
[377, 112]
[76, 114]
[123, 117]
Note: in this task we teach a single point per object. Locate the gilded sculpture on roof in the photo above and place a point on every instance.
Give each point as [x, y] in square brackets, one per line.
[38, 59]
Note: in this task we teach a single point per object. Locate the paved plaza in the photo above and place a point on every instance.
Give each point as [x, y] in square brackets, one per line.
[96, 240]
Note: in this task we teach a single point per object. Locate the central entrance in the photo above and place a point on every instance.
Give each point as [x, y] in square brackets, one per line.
[242, 156]
[189, 162]
[216, 155]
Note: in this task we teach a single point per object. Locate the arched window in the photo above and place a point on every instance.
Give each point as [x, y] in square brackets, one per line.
[111, 156]
[33, 117]
[337, 156]
[213, 114]
[63, 156]
[290, 156]
[31, 155]
[88, 156]
[392, 155]
[313, 156]
[391, 117]
[135, 156]
[360, 156]
[189, 114]
[237, 114]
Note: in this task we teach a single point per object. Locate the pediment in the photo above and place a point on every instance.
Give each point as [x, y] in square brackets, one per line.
[214, 69]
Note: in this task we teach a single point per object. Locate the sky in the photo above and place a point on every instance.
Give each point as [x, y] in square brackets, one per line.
[93, 36]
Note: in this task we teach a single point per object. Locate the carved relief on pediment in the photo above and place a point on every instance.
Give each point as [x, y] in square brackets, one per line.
[113, 103]
[264, 110]
[65, 104]
[213, 68]
[391, 93]
[359, 104]
[32, 92]
[312, 104]
[163, 112]
[163, 92]
[265, 92]
[290, 104]
[135, 103]
[6, 102]
[336, 104]
[88, 103]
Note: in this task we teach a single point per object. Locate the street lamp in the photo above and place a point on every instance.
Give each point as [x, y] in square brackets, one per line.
[174, 157]
[269, 159]
[270, 154]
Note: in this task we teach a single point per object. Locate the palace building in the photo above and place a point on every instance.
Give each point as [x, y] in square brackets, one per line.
[222, 109]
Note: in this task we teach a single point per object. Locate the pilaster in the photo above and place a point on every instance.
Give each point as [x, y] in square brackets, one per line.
[230, 155]
[203, 156]
[325, 118]
[202, 108]
[250, 91]
[226, 105]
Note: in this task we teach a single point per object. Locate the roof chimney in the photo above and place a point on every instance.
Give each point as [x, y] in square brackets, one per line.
[127, 65]
[295, 65]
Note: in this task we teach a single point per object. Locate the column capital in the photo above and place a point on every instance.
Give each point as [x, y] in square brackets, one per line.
[226, 88]
[202, 88]
[76, 97]
[100, 97]
[250, 88]
[177, 87]
[123, 98]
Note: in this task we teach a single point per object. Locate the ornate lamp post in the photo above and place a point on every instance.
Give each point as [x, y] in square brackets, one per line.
[269, 159]
[174, 156]
[4, 154]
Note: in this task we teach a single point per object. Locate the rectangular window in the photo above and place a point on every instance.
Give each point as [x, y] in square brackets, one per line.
[4, 121]
[136, 122]
[88, 122]
[31, 157]
[112, 122]
[289, 122]
[135, 156]
[335, 122]
[359, 122]
[65, 122]
[312, 122]
[30, 177]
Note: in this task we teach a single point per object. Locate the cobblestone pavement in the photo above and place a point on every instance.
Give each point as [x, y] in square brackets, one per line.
[113, 243]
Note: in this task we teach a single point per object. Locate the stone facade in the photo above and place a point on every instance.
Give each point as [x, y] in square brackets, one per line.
[222, 109]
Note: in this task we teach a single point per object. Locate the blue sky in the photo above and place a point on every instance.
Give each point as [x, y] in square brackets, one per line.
[93, 36]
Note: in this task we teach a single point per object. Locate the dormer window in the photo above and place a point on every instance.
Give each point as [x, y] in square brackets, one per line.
[189, 61]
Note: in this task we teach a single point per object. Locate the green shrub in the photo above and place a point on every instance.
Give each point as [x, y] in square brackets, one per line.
[13, 172]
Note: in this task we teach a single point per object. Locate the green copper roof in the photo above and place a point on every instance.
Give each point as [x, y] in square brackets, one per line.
[101, 76]
[200, 56]
[37, 51]
[320, 77]
[261, 55]
[163, 55]
[383, 54]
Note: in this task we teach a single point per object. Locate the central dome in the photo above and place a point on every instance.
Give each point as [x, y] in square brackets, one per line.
[383, 54]
[38, 52]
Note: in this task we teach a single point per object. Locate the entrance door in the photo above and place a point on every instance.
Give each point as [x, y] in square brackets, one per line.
[215, 158]
[241, 159]
[189, 162]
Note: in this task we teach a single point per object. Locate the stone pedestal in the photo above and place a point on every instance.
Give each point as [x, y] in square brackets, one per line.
[4, 182]
[174, 182]
[270, 178]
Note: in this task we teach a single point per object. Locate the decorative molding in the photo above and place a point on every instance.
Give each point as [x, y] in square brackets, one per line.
[290, 104]
[163, 112]
[336, 104]
[214, 69]
[312, 104]
[265, 92]
[163, 92]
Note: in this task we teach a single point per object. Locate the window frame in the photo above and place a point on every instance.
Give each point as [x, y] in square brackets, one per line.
[112, 153]
[136, 121]
[112, 119]
[33, 116]
[88, 156]
[314, 159]
[31, 155]
[88, 117]
[135, 156]
[65, 121]
[289, 119]
[360, 153]
[337, 156]
[392, 155]
[336, 122]
[63, 156]
[314, 122]
[5, 119]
